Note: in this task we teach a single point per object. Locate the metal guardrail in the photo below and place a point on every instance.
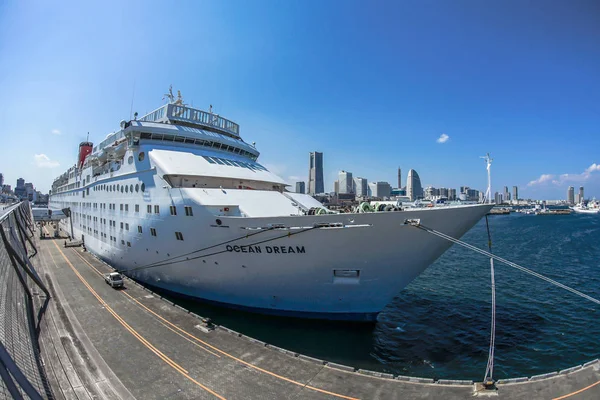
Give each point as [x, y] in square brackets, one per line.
[21, 371]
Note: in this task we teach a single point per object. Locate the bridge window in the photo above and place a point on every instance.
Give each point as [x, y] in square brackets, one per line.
[188, 211]
[149, 209]
[153, 231]
[156, 209]
[173, 210]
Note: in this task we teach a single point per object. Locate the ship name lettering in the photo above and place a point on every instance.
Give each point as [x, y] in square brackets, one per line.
[268, 249]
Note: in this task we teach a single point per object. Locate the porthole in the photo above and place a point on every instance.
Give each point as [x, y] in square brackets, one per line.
[131, 188]
[126, 189]
[113, 188]
[141, 156]
[117, 187]
[130, 160]
[137, 187]
[122, 189]
[143, 187]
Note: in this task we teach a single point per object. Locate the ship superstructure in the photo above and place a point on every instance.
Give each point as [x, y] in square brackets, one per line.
[177, 200]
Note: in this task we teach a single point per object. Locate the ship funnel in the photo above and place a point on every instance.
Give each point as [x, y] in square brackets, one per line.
[85, 148]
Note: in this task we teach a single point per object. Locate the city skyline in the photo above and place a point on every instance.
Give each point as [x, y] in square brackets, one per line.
[396, 104]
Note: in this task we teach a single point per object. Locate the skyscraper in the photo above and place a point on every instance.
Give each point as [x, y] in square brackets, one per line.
[506, 194]
[399, 178]
[581, 196]
[300, 187]
[414, 190]
[571, 195]
[361, 188]
[315, 173]
[1, 180]
[345, 182]
[515, 195]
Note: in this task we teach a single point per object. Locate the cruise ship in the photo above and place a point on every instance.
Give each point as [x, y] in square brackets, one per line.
[178, 201]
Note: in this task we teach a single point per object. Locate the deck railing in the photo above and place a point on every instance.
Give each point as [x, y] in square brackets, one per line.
[21, 371]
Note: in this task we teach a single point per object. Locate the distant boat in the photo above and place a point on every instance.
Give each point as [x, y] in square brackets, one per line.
[590, 208]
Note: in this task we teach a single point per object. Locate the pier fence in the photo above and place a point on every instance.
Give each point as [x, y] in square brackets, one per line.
[23, 300]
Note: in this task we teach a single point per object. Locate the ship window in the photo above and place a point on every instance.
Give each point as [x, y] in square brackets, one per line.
[117, 187]
[137, 208]
[137, 187]
[210, 160]
[122, 189]
[149, 209]
[173, 210]
[141, 156]
[126, 189]
[122, 242]
[139, 229]
[131, 188]
[128, 244]
[143, 187]
[179, 235]
[153, 231]
[188, 211]
[121, 205]
[156, 210]
[127, 227]
[126, 207]
[219, 161]
[121, 225]
[227, 162]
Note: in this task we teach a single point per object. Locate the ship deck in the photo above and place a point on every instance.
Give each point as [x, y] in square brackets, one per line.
[99, 342]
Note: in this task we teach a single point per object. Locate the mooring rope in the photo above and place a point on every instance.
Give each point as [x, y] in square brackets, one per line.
[489, 371]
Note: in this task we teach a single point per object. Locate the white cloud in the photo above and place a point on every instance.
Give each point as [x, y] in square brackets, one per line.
[567, 178]
[443, 138]
[541, 179]
[43, 161]
[55, 132]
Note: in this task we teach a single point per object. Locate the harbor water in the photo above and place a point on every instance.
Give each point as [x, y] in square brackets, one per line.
[439, 325]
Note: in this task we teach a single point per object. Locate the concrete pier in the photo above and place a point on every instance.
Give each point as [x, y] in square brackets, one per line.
[100, 342]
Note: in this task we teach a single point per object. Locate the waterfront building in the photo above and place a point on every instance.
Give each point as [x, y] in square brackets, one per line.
[443, 192]
[515, 194]
[451, 194]
[498, 198]
[361, 187]
[506, 194]
[581, 196]
[398, 192]
[431, 192]
[336, 187]
[571, 195]
[1, 180]
[315, 173]
[414, 190]
[20, 190]
[300, 187]
[380, 189]
[399, 178]
[345, 182]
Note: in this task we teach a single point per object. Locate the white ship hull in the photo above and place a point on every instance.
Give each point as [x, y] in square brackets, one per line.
[271, 272]
[585, 210]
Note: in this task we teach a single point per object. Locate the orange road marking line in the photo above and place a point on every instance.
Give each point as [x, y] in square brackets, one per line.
[162, 323]
[242, 361]
[577, 392]
[166, 359]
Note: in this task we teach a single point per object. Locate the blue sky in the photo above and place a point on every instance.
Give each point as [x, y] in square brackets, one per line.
[373, 85]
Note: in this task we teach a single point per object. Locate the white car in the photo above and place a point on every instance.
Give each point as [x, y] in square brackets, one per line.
[114, 279]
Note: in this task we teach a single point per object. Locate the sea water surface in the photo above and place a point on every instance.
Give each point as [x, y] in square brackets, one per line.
[439, 325]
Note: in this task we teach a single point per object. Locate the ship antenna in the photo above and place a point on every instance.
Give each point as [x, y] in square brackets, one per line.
[88, 137]
[132, 97]
[488, 192]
